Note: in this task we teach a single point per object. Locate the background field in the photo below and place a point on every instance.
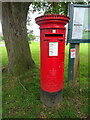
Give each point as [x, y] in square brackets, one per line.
[21, 95]
[86, 35]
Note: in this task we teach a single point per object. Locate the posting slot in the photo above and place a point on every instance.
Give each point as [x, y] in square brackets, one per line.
[54, 35]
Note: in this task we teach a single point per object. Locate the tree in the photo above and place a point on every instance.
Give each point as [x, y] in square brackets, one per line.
[14, 17]
[51, 7]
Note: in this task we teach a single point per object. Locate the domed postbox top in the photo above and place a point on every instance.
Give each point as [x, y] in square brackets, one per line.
[52, 18]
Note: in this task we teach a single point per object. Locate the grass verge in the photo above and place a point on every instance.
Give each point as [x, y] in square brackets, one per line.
[21, 95]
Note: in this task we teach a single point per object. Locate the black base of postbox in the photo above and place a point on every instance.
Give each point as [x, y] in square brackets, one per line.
[51, 99]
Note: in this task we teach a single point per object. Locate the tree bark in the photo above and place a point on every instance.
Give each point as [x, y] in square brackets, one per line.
[14, 16]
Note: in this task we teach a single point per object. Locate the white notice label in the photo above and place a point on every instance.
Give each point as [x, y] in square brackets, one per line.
[73, 53]
[78, 22]
[53, 48]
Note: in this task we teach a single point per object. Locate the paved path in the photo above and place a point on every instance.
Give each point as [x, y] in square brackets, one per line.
[2, 45]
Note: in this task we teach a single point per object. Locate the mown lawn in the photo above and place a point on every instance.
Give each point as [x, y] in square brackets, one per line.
[21, 95]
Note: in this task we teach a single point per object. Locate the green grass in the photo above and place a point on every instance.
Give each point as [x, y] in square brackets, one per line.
[19, 102]
[86, 35]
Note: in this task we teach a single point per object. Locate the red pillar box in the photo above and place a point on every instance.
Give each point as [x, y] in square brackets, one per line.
[52, 47]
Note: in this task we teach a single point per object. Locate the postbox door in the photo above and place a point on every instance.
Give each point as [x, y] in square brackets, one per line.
[52, 62]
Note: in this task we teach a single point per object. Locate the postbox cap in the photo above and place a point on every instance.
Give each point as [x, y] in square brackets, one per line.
[52, 18]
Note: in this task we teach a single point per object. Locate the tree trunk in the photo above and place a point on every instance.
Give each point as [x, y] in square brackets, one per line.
[14, 16]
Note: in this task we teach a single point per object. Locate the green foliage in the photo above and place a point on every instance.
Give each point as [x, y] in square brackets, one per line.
[31, 37]
[51, 7]
[1, 38]
[64, 8]
[58, 8]
[38, 6]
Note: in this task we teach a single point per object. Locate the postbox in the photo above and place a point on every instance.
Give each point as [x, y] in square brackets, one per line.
[52, 47]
